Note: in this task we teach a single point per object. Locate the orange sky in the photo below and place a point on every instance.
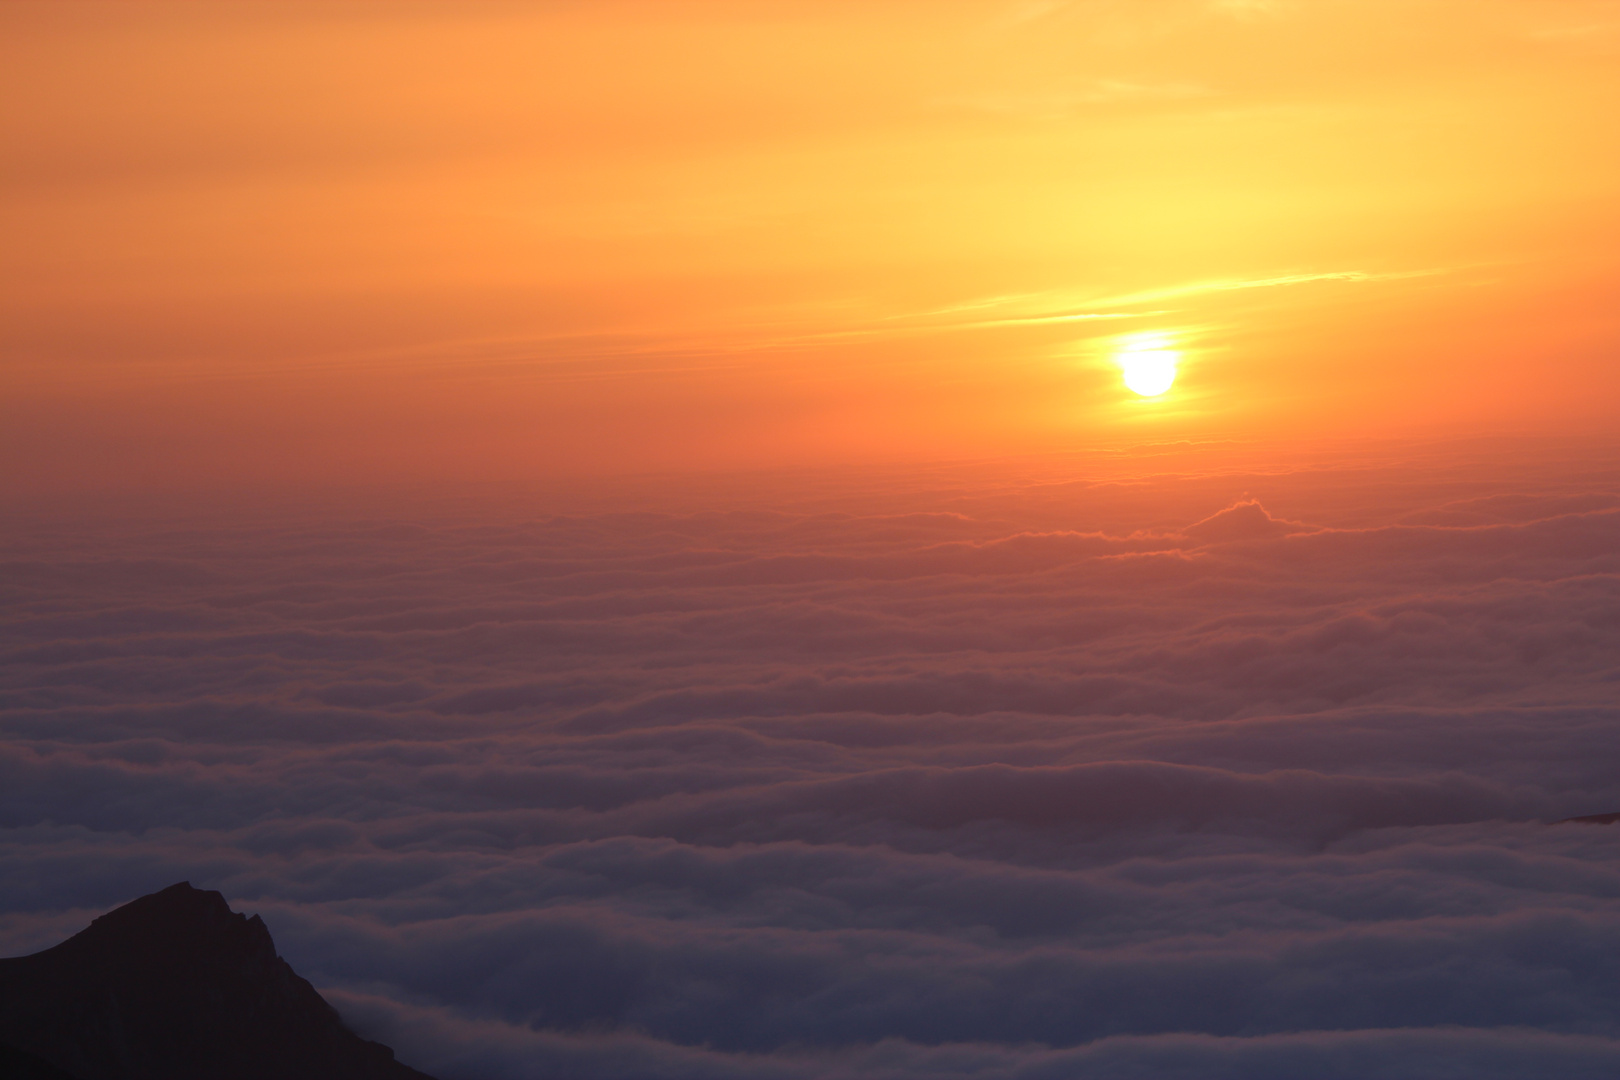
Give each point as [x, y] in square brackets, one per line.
[337, 243]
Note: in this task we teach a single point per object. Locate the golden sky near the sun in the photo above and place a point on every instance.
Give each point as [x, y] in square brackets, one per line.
[395, 240]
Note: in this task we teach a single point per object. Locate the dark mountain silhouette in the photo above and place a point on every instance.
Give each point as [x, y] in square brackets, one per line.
[18, 1064]
[176, 986]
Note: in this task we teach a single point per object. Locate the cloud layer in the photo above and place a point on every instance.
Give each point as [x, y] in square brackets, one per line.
[1238, 774]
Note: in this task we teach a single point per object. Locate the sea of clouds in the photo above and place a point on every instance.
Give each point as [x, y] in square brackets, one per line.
[1243, 772]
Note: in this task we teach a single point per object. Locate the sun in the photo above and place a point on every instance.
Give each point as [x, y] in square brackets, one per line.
[1149, 367]
[1150, 373]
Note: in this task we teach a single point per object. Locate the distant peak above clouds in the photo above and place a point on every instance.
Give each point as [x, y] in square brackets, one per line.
[1247, 520]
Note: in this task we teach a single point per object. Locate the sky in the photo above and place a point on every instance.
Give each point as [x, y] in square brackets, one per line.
[361, 244]
[787, 540]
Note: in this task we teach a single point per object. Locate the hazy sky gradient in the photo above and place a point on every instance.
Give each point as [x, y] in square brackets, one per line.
[339, 243]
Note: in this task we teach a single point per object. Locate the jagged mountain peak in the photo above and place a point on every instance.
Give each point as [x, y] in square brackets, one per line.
[176, 921]
[177, 986]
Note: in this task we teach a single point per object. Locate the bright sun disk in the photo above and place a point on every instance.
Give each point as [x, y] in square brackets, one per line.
[1149, 372]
